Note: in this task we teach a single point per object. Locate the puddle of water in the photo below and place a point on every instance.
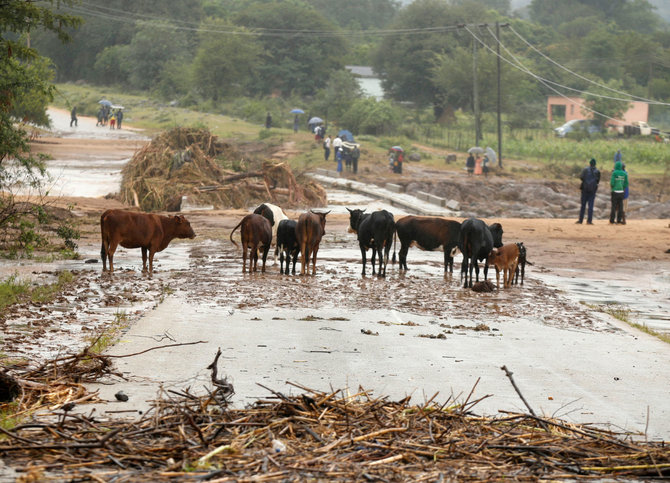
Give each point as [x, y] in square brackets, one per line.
[645, 294]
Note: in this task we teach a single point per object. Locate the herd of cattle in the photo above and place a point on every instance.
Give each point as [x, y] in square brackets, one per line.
[476, 240]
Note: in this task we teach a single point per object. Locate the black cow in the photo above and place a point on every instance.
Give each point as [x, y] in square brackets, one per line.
[476, 242]
[521, 267]
[429, 234]
[375, 230]
[287, 243]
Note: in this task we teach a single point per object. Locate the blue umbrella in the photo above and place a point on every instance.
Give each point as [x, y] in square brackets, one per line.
[315, 120]
[297, 111]
[346, 135]
[397, 148]
[105, 102]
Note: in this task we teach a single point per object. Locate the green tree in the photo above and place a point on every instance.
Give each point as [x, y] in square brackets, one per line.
[226, 61]
[369, 116]
[25, 89]
[405, 62]
[336, 97]
[298, 55]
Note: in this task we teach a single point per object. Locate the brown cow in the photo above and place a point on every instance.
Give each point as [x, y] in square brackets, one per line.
[505, 258]
[256, 233]
[309, 230]
[150, 232]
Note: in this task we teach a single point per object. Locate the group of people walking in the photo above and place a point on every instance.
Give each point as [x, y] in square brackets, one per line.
[346, 154]
[107, 116]
[590, 179]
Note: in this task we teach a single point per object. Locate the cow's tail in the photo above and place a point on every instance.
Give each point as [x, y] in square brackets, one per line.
[231, 234]
[395, 235]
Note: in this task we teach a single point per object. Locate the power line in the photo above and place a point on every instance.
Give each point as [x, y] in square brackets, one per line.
[522, 68]
[581, 76]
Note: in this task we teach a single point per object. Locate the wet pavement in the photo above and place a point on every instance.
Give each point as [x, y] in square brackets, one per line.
[411, 333]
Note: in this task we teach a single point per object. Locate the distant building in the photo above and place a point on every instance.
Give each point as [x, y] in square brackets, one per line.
[371, 85]
[562, 108]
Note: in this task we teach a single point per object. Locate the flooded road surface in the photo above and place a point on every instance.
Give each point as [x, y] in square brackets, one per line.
[411, 334]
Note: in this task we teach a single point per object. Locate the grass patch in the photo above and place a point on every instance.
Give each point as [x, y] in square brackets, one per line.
[110, 335]
[624, 314]
[13, 290]
[8, 418]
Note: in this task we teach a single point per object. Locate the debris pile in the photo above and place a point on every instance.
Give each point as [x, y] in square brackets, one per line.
[316, 436]
[194, 163]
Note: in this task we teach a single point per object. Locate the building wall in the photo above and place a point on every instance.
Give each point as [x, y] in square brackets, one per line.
[639, 111]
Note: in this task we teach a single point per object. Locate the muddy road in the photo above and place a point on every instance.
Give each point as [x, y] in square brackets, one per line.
[414, 333]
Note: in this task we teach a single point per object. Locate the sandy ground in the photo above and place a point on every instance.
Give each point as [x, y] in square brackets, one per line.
[413, 333]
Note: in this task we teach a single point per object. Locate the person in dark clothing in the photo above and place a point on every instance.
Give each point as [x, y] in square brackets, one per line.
[470, 164]
[73, 116]
[296, 123]
[119, 118]
[100, 117]
[268, 121]
[590, 177]
[355, 154]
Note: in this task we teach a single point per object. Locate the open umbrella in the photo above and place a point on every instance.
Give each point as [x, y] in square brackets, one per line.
[491, 154]
[346, 135]
[297, 111]
[476, 150]
[397, 148]
[315, 120]
[105, 102]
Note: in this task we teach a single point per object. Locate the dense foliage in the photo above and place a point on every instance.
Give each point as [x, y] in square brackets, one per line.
[426, 52]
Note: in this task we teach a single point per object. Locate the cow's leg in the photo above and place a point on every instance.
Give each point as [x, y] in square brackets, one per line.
[244, 258]
[523, 271]
[380, 254]
[363, 256]
[498, 278]
[475, 264]
[402, 255]
[314, 252]
[464, 271]
[254, 256]
[295, 259]
[152, 252]
[266, 249]
[144, 259]
[281, 260]
[111, 249]
[304, 257]
[486, 268]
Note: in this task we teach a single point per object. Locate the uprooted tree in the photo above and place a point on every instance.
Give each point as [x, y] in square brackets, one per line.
[193, 163]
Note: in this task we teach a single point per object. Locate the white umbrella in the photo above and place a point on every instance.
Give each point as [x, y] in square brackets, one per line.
[476, 150]
[491, 154]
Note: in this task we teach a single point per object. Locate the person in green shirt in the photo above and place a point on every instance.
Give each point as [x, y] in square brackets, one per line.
[619, 183]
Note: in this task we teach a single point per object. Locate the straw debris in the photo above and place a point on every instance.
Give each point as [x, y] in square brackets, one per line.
[195, 163]
[316, 436]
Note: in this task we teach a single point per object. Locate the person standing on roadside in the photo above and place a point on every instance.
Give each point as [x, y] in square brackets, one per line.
[618, 183]
[590, 177]
[470, 164]
[326, 148]
[268, 121]
[617, 157]
[119, 118]
[73, 116]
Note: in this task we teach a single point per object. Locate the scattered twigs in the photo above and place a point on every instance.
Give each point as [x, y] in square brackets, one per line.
[318, 436]
[509, 374]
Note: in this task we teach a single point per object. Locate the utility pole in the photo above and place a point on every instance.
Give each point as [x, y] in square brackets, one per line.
[475, 92]
[499, 97]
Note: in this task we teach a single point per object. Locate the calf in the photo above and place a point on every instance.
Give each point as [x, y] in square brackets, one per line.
[152, 233]
[476, 242]
[374, 230]
[505, 258]
[521, 267]
[428, 234]
[287, 244]
[256, 233]
[310, 229]
[275, 215]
